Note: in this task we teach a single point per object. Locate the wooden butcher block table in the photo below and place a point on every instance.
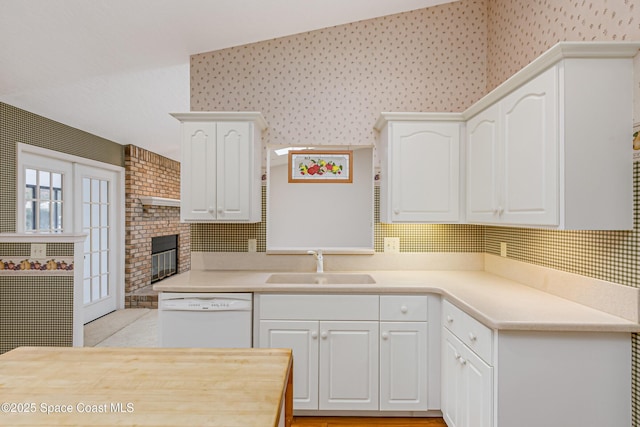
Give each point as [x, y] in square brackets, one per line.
[63, 386]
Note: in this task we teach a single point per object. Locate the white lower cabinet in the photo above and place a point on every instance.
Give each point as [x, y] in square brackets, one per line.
[348, 367]
[403, 366]
[466, 385]
[506, 378]
[335, 363]
[351, 352]
[302, 338]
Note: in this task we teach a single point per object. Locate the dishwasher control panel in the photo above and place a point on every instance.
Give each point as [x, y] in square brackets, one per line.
[206, 303]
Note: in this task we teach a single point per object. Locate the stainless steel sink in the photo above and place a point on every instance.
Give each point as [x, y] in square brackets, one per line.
[322, 278]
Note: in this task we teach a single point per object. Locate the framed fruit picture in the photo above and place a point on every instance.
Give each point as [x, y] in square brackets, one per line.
[315, 166]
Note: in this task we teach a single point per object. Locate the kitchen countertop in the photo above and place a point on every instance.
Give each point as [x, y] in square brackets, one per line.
[499, 303]
[76, 386]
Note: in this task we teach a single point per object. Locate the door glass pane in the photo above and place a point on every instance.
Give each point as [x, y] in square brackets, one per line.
[30, 220]
[95, 264]
[95, 215]
[95, 288]
[86, 215]
[95, 239]
[104, 215]
[45, 217]
[95, 191]
[104, 262]
[104, 286]
[104, 239]
[104, 193]
[56, 213]
[30, 176]
[45, 185]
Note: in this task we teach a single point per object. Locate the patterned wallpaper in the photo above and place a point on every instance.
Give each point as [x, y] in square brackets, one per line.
[329, 86]
[521, 30]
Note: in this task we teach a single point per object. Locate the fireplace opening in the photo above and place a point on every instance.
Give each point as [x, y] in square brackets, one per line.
[164, 257]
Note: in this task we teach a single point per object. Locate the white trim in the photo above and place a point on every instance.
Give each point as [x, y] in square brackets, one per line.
[223, 116]
[412, 116]
[27, 148]
[42, 237]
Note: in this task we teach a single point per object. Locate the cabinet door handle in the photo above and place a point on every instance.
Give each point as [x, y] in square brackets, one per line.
[314, 335]
[404, 309]
[449, 319]
[500, 210]
[472, 337]
[220, 210]
[461, 360]
[324, 335]
[211, 210]
[385, 336]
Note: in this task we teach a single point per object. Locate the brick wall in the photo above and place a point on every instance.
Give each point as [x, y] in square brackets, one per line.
[149, 174]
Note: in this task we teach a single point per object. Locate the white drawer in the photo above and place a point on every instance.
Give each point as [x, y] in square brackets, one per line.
[403, 308]
[474, 334]
[319, 307]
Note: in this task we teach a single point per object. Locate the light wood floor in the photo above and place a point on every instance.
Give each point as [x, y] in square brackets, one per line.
[366, 422]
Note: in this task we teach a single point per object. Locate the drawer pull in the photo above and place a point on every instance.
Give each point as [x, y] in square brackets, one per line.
[472, 337]
[449, 319]
[404, 309]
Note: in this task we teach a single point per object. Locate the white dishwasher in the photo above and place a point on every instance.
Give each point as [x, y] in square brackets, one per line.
[206, 320]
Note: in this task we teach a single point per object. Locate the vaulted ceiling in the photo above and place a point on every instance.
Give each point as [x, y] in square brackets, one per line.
[116, 68]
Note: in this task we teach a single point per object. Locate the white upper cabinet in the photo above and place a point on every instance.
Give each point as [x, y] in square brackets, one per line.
[512, 157]
[220, 166]
[551, 146]
[420, 167]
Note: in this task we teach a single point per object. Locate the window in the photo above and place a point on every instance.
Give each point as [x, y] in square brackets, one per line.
[43, 200]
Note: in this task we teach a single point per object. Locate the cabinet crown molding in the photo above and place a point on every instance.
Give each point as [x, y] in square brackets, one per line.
[558, 52]
[416, 117]
[223, 116]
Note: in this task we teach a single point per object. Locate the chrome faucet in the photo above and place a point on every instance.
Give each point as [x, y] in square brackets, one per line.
[319, 260]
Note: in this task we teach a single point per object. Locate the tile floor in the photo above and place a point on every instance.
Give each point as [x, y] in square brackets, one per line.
[131, 327]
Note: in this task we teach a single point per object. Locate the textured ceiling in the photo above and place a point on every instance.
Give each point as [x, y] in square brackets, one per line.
[116, 68]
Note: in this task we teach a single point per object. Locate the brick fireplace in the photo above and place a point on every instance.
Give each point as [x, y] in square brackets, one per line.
[152, 188]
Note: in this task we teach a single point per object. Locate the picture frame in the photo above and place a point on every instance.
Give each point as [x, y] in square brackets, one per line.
[317, 166]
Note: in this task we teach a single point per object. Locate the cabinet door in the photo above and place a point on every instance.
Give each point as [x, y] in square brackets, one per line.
[348, 365]
[403, 366]
[452, 380]
[478, 392]
[467, 385]
[234, 170]
[530, 136]
[483, 166]
[302, 338]
[424, 172]
[198, 177]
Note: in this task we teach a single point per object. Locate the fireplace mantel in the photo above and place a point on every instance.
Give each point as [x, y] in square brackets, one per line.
[159, 201]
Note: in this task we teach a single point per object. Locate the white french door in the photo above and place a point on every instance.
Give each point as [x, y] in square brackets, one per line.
[61, 194]
[100, 219]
